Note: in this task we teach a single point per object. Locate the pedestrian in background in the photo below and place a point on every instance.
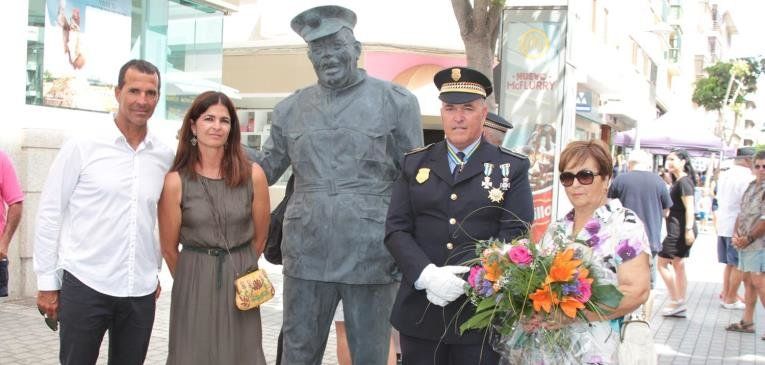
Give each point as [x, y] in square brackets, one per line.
[749, 239]
[11, 202]
[495, 128]
[730, 189]
[95, 254]
[644, 192]
[681, 232]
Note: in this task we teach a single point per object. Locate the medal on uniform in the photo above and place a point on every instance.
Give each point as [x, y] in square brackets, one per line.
[505, 168]
[488, 167]
[422, 175]
[496, 194]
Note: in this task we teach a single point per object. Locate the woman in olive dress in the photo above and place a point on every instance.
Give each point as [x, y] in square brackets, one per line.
[215, 204]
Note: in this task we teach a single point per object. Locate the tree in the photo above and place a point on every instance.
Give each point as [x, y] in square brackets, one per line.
[479, 28]
[726, 85]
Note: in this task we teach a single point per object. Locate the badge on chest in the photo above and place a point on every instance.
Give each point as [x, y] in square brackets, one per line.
[422, 175]
[496, 193]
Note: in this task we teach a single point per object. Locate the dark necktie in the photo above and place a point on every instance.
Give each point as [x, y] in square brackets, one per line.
[458, 167]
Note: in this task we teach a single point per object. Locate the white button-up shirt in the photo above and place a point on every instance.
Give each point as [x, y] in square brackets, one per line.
[97, 214]
[730, 190]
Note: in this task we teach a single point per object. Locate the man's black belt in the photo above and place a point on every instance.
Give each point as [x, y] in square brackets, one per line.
[220, 253]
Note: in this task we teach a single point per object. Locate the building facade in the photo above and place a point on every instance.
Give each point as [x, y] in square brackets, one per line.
[59, 79]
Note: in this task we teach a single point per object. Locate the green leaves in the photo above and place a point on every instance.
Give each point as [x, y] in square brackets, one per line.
[483, 315]
[710, 91]
[607, 295]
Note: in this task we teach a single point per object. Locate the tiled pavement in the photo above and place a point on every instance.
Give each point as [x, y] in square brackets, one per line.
[698, 339]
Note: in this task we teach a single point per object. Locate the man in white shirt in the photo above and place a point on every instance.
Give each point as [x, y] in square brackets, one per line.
[730, 189]
[95, 254]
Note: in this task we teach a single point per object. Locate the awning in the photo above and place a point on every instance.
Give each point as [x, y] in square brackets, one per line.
[592, 117]
[178, 82]
[675, 129]
[624, 111]
[419, 80]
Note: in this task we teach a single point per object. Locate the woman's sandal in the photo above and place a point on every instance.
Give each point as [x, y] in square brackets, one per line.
[740, 326]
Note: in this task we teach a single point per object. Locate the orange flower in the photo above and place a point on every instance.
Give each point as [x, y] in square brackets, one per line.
[543, 299]
[493, 271]
[563, 267]
[570, 305]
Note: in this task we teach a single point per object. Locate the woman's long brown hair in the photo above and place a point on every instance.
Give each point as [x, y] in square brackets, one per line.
[235, 168]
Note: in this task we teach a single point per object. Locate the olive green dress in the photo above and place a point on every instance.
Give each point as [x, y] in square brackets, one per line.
[205, 325]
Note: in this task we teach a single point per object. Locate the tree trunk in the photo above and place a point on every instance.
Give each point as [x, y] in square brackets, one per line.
[733, 130]
[479, 25]
[479, 54]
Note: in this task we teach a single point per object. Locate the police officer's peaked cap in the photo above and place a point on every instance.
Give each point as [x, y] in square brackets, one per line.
[495, 121]
[322, 21]
[745, 152]
[460, 85]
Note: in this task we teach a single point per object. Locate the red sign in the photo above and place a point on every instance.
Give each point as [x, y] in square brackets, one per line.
[542, 212]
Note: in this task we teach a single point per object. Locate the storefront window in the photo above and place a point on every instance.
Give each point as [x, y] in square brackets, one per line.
[194, 54]
[75, 49]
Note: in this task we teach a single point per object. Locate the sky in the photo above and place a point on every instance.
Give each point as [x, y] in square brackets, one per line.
[747, 16]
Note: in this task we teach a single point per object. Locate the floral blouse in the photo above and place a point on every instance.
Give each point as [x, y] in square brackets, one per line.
[612, 236]
[752, 211]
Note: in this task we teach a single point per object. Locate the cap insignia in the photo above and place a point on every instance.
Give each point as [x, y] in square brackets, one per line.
[456, 74]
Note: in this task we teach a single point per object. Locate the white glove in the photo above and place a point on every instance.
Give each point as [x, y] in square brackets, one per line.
[441, 284]
[435, 299]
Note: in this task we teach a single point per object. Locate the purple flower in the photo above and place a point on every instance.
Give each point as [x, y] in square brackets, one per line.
[485, 288]
[571, 289]
[570, 216]
[592, 227]
[625, 250]
[593, 241]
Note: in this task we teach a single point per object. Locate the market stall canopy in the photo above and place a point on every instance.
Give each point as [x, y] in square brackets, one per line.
[177, 82]
[672, 130]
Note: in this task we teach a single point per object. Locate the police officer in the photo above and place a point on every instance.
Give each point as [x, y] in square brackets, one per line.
[449, 194]
[494, 128]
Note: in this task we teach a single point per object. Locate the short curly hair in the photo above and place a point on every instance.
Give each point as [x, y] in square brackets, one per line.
[579, 151]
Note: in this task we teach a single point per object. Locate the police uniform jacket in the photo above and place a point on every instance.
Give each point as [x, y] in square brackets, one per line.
[436, 219]
[344, 146]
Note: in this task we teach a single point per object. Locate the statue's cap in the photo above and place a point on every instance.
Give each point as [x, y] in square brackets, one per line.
[322, 21]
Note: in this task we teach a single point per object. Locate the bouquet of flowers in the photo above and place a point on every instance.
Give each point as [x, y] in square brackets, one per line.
[517, 284]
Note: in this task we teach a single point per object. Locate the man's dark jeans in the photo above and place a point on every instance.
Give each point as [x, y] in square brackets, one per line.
[4, 278]
[86, 315]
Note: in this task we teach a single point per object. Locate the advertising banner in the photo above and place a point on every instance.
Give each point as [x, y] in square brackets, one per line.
[532, 91]
[86, 41]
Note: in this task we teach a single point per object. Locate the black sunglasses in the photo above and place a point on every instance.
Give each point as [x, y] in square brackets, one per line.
[585, 177]
[52, 323]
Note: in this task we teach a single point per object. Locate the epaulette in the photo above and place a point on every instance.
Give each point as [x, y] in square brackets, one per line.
[401, 90]
[419, 149]
[513, 153]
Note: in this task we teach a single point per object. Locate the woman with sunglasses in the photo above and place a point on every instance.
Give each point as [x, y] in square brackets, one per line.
[611, 235]
[681, 232]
